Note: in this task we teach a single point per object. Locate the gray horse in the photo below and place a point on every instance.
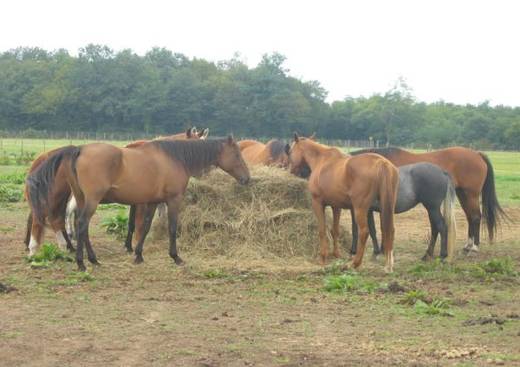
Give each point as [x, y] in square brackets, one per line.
[429, 185]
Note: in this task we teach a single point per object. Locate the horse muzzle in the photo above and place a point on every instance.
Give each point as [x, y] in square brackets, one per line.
[244, 180]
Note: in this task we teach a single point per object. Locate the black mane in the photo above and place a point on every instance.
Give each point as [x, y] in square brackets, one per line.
[195, 155]
[276, 148]
[385, 152]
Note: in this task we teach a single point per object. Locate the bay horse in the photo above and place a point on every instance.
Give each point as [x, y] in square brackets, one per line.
[472, 175]
[429, 185]
[55, 213]
[273, 153]
[155, 172]
[342, 181]
[136, 215]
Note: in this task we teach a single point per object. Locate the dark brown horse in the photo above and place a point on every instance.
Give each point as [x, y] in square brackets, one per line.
[472, 175]
[54, 214]
[154, 172]
[273, 153]
[341, 181]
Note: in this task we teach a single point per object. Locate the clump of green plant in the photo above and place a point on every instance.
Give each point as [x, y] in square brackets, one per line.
[436, 307]
[17, 178]
[116, 225]
[47, 254]
[79, 277]
[427, 267]
[10, 193]
[349, 283]
[415, 295]
[493, 268]
[215, 273]
[25, 158]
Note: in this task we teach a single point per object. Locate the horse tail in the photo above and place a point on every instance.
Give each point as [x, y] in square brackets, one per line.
[448, 213]
[40, 182]
[388, 184]
[491, 209]
[28, 229]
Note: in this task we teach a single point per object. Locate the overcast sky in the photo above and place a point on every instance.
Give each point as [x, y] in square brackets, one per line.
[458, 51]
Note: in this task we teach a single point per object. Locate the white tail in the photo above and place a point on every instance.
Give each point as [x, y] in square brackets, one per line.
[448, 212]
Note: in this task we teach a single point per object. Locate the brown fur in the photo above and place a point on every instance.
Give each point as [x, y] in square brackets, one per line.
[257, 153]
[345, 182]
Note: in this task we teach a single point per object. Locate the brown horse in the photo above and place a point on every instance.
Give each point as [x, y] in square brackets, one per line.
[154, 172]
[342, 181]
[55, 213]
[270, 154]
[472, 175]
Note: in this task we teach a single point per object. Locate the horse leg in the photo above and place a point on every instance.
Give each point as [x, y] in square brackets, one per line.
[131, 228]
[173, 211]
[149, 211]
[353, 249]
[85, 214]
[336, 214]
[28, 230]
[361, 215]
[37, 231]
[471, 208]
[319, 211]
[373, 233]
[437, 226]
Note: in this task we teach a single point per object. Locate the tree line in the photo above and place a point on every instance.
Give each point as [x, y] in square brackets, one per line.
[164, 92]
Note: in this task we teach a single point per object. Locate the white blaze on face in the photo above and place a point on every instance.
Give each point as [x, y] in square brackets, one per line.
[33, 246]
[61, 240]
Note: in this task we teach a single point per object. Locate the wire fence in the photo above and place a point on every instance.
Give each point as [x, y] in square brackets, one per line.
[22, 147]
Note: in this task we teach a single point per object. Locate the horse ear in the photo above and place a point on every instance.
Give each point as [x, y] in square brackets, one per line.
[204, 133]
[296, 137]
[188, 133]
[313, 136]
[287, 149]
[230, 139]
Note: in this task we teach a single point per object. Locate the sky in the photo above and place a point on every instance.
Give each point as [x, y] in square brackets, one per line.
[458, 51]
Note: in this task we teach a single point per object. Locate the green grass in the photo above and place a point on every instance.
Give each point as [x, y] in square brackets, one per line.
[116, 225]
[47, 254]
[349, 283]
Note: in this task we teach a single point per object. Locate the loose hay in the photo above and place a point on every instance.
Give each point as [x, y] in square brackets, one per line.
[270, 217]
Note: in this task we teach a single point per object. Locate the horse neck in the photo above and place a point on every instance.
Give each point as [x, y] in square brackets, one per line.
[314, 153]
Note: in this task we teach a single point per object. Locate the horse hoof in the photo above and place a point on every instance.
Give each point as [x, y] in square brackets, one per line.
[426, 257]
[129, 249]
[94, 262]
[138, 260]
[471, 248]
[178, 261]
[81, 267]
[71, 249]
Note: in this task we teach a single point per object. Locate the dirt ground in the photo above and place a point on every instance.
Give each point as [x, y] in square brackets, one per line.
[232, 311]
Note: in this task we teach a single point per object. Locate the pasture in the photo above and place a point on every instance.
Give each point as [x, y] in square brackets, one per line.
[258, 308]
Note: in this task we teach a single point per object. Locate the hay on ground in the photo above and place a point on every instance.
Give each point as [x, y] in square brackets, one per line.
[271, 216]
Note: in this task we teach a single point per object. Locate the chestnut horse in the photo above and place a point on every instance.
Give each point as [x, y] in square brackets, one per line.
[355, 183]
[273, 153]
[154, 172]
[55, 212]
[472, 175]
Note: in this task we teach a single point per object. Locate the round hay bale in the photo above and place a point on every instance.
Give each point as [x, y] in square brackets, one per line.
[271, 216]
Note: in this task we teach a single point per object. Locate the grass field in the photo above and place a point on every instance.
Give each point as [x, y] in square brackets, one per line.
[272, 311]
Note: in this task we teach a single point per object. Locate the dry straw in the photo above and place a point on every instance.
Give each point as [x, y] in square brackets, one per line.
[271, 217]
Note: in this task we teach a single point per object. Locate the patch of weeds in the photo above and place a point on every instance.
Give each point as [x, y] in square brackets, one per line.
[415, 295]
[424, 268]
[215, 274]
[436, 307]
[77, 277]
[112, 206]
[335, 268]
[116, 225]
[10, 193]
[47, 254]
[17, 178]
[501, 266]
[349, 283]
